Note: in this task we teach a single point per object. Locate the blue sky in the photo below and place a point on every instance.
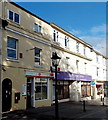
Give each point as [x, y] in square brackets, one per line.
[86, 20]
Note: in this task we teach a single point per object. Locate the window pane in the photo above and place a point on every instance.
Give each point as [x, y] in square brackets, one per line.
[38, 93]
[11, 53]
[35, 27]
[10, 15]
[37, 52]
[40, 28]
[16, 18]
[44, 92]
[11, 43]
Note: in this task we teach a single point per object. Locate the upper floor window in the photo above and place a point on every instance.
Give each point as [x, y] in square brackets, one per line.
[37, 28]
[14, 16]
[12, 48]
[77, 47]
[55, 36]
[66, 41]
[97, 72]
[67, 62]
[97, 58]
[85, 67]
[84, 50]
[37, 56]
[77, 65]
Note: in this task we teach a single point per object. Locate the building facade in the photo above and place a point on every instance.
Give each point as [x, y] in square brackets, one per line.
[27, 79]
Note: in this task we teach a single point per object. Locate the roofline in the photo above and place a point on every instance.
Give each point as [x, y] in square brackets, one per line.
[73, 36]
[97, 52]
[15, 4]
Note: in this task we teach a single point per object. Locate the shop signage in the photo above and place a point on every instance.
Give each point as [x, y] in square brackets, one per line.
[73, 76]
[36, 74]
[92, 83]
[24, 89]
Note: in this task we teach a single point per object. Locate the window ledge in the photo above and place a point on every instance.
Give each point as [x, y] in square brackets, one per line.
[13, 60]
[41, 100]
[38, 66]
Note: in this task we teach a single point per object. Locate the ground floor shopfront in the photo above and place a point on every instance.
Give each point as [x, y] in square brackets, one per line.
[72, 86]
[25, 89]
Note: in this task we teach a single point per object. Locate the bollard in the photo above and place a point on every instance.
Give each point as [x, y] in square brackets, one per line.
[101, 98]
[103, 101]
[84, 110]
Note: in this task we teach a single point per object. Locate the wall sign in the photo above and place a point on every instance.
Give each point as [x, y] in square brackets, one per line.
[24, 90]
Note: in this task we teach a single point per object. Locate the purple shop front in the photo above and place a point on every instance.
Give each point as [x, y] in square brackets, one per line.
[73, 76]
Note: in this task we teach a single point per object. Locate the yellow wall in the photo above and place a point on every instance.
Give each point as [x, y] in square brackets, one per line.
[15, 70]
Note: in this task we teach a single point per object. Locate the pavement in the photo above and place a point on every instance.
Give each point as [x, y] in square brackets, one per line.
[94, 110]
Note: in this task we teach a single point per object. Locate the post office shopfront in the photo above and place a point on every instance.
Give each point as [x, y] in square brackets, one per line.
[38, 89]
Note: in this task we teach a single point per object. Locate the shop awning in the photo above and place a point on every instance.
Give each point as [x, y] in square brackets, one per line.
[73, 76]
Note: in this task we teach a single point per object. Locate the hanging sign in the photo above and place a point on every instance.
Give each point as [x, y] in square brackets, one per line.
[24, 90]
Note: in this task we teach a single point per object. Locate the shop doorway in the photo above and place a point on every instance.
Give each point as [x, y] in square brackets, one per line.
[30, 93]
[6, 95]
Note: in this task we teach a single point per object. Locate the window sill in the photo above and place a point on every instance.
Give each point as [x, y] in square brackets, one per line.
[13, 60]
[41, 100]
[38, 66]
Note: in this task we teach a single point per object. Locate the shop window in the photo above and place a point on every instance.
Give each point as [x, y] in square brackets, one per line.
[99, 89]
[86, 90]
[63, 90]
[41, 86]
[13, 16]
[12, 48]
[37, 56]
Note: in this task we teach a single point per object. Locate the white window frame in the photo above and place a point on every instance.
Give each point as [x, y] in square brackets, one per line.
[77, 65]
[37, 28]
[11, 58]
[37, 56]
[14, 16]
[56, 35]
[66, 41]
[84, 50]
[77, 47]
[41, 90]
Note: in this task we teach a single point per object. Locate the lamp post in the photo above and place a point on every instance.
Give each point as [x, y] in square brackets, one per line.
[55, 62]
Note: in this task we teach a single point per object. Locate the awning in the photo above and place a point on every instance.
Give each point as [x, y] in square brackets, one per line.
[73, 76]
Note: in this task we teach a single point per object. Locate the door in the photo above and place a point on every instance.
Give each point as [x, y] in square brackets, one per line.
[6, 95]
[28, 93]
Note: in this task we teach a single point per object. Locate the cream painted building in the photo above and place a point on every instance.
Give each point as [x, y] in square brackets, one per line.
[75, 65]
[27, 46]
[26, 55]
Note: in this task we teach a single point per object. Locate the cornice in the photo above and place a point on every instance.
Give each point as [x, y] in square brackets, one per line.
[70, 52]
[69, 34]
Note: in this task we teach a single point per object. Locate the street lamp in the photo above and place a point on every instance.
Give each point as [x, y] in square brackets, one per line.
[55, 62]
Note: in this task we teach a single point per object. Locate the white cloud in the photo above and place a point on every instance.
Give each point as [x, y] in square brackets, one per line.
[98, 42]
[98, 29]
[75, 32]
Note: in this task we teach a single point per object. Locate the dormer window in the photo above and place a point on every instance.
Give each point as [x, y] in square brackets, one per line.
[13, 16]
[37, 28]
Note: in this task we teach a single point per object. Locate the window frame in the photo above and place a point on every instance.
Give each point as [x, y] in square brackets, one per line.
[77, 47]
[9, 48]
[40, 84]
[14, 16]
[38, 57]
[66, 41]
[37, 30]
